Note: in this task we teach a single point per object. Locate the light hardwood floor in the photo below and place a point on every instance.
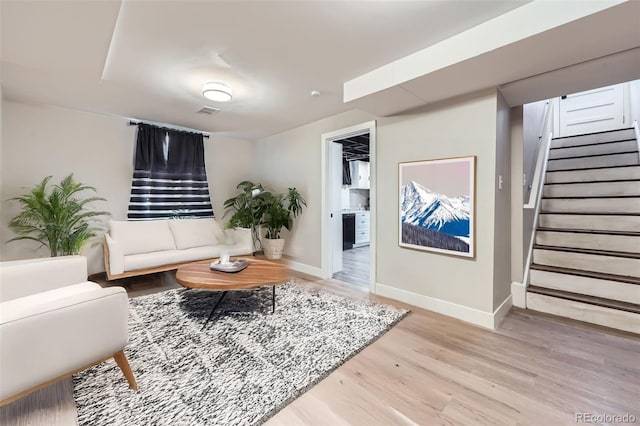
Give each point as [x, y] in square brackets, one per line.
[431, 369]
[355, 266]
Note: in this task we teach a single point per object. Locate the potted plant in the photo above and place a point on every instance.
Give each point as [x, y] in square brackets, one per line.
[246, 208]
[56, 217]
[256, 207]
[278, 212]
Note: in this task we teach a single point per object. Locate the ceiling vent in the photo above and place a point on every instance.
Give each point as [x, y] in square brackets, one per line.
[208, 110]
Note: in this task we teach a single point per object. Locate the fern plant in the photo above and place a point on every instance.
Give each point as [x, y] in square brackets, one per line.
[56, 217]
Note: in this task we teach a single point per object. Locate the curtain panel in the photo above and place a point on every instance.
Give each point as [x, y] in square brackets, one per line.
[169, 177]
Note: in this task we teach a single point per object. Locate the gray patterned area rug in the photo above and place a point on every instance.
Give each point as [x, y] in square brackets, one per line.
[244, 367]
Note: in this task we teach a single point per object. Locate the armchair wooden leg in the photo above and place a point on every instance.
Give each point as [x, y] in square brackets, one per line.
[121, 360]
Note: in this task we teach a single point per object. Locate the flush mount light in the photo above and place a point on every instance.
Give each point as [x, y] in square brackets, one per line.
[218, 92]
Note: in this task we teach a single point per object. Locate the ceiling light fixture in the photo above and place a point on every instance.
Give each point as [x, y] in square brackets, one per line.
[218, 92]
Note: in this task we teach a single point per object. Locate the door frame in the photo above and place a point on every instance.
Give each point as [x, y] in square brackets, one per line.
[325, 225]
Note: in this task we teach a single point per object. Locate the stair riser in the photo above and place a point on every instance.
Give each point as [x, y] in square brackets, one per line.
[607, 317]
[588, 262]
[619, 135]
[606, 289]
[591, 205]
[605, 148]
[593, 162]
[617, 173]
[595, 189]
[593, 222]
[621, 243]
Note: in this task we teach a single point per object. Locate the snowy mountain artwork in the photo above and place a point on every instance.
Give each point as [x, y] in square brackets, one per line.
[437, 205]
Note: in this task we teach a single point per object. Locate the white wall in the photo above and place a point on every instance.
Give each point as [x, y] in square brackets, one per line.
[517, 189]
[532, 125]
[229, 162]
[634, 101]
[45, 140]
[502, 220]
[458, 127]
[292, 158]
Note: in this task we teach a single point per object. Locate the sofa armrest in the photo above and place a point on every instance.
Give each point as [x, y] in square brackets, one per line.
[113, 256]
[241, 238]
[23, 278]
[42, 340]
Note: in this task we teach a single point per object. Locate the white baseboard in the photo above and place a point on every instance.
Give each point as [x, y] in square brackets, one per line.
[483, 319]
[304, 268]
[502, 311]
[519, 294]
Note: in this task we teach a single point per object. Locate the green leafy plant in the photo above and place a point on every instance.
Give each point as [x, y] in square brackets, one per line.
[280, 210]
[56, 217]
[246, 208]
[256, 206]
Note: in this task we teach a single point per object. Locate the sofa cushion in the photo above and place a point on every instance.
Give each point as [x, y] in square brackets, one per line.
[133, 262]
[201, 253]
[42, 302]
[136, 237]
[24, 277]
[189, 233]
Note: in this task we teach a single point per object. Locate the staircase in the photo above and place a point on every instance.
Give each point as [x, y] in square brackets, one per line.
[586, 253]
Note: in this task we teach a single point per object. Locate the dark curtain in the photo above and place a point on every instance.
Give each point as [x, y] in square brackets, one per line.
[170, 178]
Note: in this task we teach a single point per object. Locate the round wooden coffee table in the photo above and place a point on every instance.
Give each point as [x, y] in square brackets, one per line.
[258, 273]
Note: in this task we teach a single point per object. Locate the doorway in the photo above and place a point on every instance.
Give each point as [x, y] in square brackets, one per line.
[355, 202]
[349, 217]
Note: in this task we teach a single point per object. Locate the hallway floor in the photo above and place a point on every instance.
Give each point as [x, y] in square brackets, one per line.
[355, 266]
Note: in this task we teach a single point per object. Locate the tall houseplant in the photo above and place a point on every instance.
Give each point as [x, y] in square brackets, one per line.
[256, 207]
[247, 208]
[56, 217]
[279, 210]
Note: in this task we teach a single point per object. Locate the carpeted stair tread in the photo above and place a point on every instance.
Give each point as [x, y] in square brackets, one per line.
[578, 182]
[589, 213]
[594, 133]
[623, 139]
[589, 274]
[591, 300]
[591, 231]
[582, 197]
[589, 251]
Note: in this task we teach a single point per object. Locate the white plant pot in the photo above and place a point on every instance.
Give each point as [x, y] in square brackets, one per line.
[273, 248]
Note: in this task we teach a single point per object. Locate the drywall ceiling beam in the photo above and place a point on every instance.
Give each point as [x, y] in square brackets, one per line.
[455, 55]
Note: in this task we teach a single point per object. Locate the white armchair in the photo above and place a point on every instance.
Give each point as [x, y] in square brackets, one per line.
[53, 323]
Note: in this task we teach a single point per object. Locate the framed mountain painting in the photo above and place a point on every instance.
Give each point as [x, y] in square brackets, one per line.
[437, 205]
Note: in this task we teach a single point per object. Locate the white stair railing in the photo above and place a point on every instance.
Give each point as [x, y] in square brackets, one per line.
[538, 182]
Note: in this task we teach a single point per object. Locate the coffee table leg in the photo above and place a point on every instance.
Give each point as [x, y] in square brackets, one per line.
[224, 293]
[273, 299]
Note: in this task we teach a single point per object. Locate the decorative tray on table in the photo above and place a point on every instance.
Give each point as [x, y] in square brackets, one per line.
[233, 265]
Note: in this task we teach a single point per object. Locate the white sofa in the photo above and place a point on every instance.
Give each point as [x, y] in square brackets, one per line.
[142, 247]
[53, 322]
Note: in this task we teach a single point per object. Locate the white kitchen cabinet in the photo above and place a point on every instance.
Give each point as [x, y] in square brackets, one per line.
[362, 229]
[359, 175]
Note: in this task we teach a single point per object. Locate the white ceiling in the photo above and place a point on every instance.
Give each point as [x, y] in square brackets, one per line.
[149, 59]
[568, 47]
